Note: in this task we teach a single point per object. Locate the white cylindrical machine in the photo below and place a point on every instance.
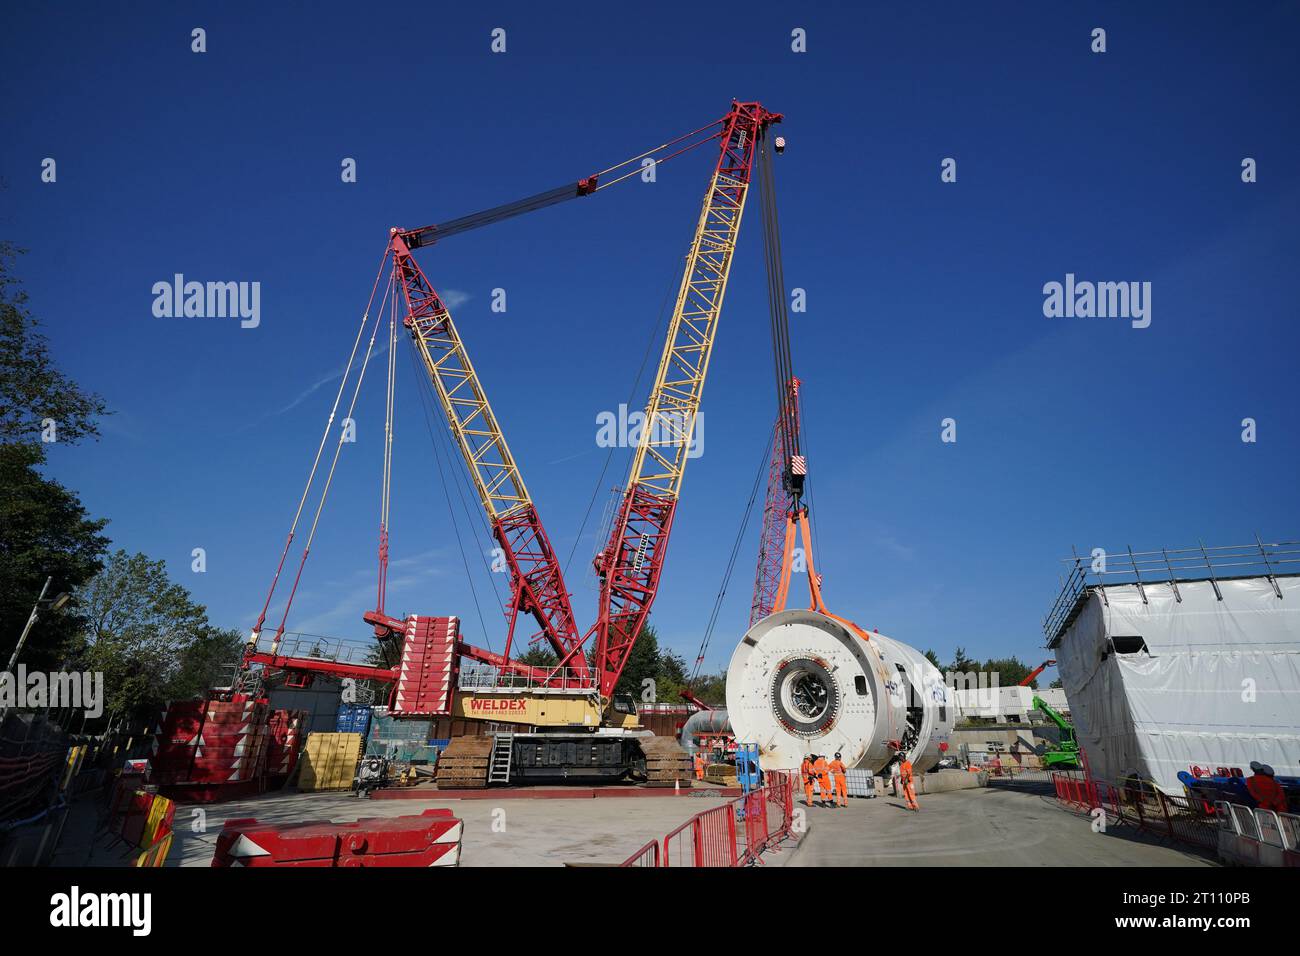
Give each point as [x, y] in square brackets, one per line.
[801, 682]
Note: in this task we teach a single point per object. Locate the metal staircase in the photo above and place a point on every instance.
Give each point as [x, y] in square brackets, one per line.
[503, 749]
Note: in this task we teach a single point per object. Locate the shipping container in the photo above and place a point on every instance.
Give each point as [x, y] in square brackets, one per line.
[329, 761]
[353, 719]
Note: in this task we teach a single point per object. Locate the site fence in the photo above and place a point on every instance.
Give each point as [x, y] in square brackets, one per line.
[735, 833]
[1185, 819]
[1253, 836]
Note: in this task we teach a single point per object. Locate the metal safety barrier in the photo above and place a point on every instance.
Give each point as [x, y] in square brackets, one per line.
[648, 855]
[1281, 830]
[1184, 819]
[1253, 836]
[736, 833]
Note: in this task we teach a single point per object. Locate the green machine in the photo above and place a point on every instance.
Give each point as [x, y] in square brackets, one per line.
[1065, 755]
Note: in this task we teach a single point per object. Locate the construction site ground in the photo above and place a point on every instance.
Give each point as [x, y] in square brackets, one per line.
[506, 831]
[993, 826]
[990, 826]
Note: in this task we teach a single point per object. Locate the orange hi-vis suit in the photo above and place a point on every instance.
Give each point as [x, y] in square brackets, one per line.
[905, 778]
[1268, 793]
[823, 778]
[841, 782]
[806, 771]
[699, 765]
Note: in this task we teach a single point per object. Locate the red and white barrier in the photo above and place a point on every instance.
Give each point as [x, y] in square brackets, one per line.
[430, 839]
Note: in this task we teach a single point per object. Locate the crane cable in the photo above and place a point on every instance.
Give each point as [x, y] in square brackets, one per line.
[658, 162]
[427, 235]
[385, 494]
[731, 561]
[660, 323]
[329, 423]
[777, 310]
[329, 477]
[425, 402]
[786, 427]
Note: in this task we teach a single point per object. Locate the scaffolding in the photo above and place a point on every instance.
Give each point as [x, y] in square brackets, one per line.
[1166, 567]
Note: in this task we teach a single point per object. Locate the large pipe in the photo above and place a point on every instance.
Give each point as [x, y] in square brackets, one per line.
[800, 682]
[701, 722]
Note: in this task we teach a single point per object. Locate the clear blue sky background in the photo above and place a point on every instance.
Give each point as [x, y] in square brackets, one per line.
[924, 298]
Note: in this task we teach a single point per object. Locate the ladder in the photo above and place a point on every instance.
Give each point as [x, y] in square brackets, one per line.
[503, 748]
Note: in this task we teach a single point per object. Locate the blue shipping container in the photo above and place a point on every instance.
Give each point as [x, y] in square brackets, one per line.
[353, 719]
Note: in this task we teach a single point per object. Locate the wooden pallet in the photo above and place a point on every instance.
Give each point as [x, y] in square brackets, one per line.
[666, 763]
[463, 764]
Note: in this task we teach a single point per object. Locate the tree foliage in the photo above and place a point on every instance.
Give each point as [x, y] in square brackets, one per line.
[1010, 670]
[149, 639]
[32, 389]
[648, 662]
[539, 656]
[44, 531]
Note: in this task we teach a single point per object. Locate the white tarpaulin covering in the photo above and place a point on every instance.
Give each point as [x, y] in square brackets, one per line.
[1218, 684]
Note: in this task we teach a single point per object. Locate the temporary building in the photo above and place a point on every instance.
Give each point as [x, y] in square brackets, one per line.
[1194, 669]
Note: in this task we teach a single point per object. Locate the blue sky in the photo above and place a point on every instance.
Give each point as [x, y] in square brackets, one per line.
[924, 298]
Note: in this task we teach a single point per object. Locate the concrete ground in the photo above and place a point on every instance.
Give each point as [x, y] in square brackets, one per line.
[991, 826]
[505, 832]
[994, 826]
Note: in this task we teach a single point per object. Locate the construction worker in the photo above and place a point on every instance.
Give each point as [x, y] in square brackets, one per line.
[905, 778]
[1263, 786]
[841, 782]
[699, 765]
[823, 771]
[806, 771]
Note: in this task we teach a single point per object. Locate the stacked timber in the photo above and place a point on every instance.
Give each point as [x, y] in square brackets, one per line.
[666, 763]
[463, 764]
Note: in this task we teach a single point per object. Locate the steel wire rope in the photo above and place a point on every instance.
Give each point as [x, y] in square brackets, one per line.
[735, 551]
[423, 386]
[659, 323]
[329, 478]
[311, 476]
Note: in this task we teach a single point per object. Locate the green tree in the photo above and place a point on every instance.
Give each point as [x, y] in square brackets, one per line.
[139, 626]
[44, 531]
[711, 688]
[539, 656]
[1010, 671]
[933, 658]
[205, 661]
[648, 662]
[642, 664]
[32, 389]
[960, 662]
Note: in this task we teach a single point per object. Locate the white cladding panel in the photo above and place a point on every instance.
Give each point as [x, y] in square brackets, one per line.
[1216, 684]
